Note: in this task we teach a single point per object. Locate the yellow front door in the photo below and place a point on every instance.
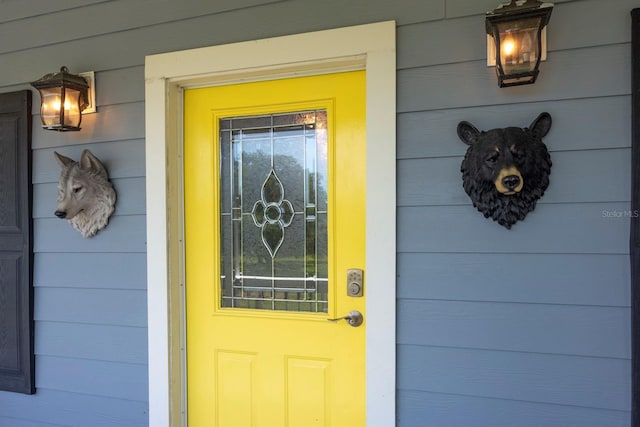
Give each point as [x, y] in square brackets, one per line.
[274, 242]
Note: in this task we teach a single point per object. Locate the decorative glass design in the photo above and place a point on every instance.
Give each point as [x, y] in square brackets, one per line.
[273, 223]
[272, 213]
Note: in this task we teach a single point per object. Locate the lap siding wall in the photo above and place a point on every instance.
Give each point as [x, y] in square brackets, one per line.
[525, 327]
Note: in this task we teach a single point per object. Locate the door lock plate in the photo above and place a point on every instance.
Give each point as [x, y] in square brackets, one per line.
[355, 282]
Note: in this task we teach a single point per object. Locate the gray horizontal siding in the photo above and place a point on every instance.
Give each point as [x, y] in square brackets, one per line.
[120, 270]
[13, 11]
[104, 51]
[14, 422]
[73, 409]
[120, 122]
[555, 329]
[123, 234]
[115, 307]
[115, 380]
[111, 343]
[90, 296]
[526, 327]
[589, 382]
[576, 279]
[432, 133]
[530, 326]
[460, 410]
[551, 228]
[121, 158]
[458, 39]
[468, 84]
[141, 13]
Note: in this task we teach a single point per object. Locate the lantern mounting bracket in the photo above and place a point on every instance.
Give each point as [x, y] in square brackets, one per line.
[90, 77]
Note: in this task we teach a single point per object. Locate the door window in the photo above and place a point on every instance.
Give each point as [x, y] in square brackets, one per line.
[273, 223]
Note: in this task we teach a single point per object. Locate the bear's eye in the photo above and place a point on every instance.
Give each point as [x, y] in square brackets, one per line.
[77, 189]
[493, 157]
[517, 155]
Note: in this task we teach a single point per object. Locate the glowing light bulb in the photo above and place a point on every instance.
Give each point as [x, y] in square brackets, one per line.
[56, 105]
[509, 47]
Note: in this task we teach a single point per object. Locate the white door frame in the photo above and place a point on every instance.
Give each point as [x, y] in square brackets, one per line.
[369, 47]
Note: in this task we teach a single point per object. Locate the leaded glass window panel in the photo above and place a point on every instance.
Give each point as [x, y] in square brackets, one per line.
[274, 211]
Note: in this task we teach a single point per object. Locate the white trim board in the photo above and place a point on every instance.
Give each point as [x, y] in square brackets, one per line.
[370, 47]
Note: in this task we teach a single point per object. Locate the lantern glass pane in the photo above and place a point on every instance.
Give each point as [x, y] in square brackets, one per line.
[50, 109]
[519, 45]
[72, 115]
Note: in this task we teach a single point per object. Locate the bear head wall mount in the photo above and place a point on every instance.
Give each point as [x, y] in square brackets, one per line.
[86, 197]
[506, 170]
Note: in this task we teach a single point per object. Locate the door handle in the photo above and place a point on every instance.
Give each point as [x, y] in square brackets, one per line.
[354, 318]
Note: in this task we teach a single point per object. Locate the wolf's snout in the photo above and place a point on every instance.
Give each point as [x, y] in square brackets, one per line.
[60, 214]
[511, 181]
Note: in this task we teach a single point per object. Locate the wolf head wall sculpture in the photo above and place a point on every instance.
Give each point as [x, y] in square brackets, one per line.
[506, 170]
[86, 198]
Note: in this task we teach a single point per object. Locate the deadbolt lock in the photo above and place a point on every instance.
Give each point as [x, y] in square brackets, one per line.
[355, 283]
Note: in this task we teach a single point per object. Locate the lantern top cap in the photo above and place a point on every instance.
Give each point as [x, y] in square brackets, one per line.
[518, 9]
[61, 78]
[518, 6]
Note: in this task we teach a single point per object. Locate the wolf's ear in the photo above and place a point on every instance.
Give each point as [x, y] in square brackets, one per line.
[62, 160]
[89, 161]
[541, 124]
[467, 132]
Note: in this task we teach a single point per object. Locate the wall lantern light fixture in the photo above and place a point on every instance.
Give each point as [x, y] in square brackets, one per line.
[516, 42]
[64, 98]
